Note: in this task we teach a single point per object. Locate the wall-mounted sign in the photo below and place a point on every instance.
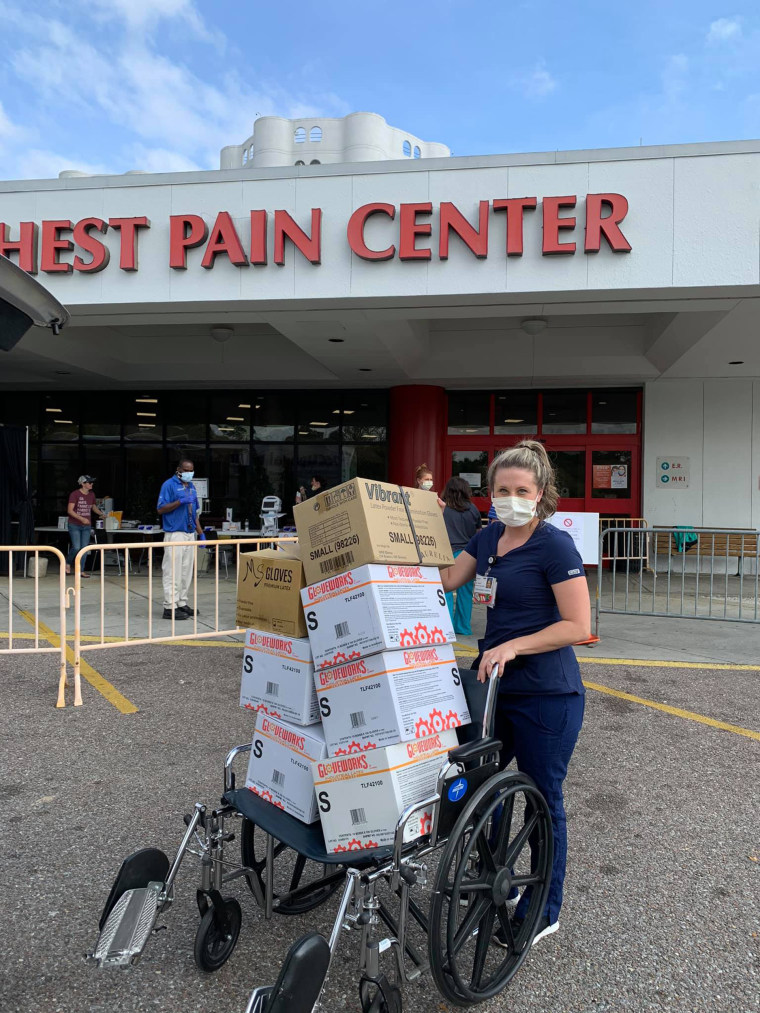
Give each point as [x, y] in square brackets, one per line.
[672, 472]
[472, 478]
[420, 231]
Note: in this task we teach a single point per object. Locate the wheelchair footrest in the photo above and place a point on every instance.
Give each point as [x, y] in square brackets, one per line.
[128, 927]
[301, 979]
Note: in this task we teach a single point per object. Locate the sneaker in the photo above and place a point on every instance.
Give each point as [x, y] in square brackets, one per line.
[545, 928]
[178, 614]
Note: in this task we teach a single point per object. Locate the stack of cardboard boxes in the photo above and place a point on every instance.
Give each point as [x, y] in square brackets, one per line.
[377, 668]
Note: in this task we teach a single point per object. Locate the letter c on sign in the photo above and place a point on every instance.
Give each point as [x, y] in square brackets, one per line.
[355, 231]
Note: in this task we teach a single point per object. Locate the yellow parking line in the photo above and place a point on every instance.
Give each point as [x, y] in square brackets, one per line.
[717, 666]
[675, 711]
[643, 702]
[95, 679]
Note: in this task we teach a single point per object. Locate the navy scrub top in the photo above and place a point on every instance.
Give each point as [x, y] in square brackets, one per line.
[525, 604]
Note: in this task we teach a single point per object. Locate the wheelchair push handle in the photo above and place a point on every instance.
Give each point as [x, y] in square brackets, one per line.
[490, 711]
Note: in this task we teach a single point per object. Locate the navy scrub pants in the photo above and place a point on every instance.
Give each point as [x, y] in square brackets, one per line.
[540, 733]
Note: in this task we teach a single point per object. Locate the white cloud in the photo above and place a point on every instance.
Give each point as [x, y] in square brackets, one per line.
[171, 118]
[537, 83]
[724, 29]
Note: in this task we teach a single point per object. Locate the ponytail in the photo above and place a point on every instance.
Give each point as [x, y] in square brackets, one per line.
[531, 456]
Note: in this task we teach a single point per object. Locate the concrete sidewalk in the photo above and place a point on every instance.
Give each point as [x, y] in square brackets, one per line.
[642, 638]
[657, 638]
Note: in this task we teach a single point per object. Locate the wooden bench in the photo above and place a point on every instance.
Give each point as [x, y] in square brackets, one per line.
[708, 543]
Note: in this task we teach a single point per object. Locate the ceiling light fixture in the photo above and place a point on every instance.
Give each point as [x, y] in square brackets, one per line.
[147, 400]
[64, 422]
[245, 406]
[146, 425]
[225, 429]
[235, 418]
[257, 406]
[54, 409]
[222, 333]
[348, 411]
[147, 415]
[337, 411]
[63, 372]
[303, 432]
[534, 325]
[512, 422]
[319, 423]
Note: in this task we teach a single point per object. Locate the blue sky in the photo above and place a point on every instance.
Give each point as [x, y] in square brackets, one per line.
[162, 85]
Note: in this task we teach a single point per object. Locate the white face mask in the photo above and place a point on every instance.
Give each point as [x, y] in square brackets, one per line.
[186, 476]
[427, 486]
[515, 511]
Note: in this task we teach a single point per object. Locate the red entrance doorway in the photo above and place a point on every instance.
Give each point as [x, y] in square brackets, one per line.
[593, 438]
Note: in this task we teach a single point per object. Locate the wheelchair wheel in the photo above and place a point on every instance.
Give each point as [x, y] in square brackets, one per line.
[378, 995]
[291, 872]
[217, 935]
[502, 843]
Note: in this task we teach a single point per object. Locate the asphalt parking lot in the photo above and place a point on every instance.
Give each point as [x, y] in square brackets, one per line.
[662, 908]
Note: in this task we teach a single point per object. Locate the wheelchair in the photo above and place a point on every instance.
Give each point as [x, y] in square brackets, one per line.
[489, 839]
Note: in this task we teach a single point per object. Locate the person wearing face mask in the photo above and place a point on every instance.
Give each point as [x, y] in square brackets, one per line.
[178, 507]
[423, 479]
[530, 576]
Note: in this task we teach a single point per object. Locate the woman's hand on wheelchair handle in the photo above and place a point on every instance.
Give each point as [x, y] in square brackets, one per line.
[500, 656]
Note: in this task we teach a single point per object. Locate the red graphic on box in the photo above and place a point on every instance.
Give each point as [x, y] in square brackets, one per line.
[355, 747]
[262, 707]
[436, 722]
[421, 635]
[356, 845]
[340, 659]
[426, 823]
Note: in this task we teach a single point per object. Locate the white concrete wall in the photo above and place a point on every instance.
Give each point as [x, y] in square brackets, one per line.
[659, 191]
[716, 424]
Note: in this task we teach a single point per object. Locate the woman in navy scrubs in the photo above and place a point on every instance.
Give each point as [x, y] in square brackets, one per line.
[531, 577]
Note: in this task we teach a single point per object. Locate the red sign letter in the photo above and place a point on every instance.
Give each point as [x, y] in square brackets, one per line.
[129, 227]
[25, 245]
[310, 247]
[224, 239]
[515, 206]
[553, 223]
[452, 219]
[409, 229]
[596, 225]
[258, 237]
[355, 231]
[185, 233]
[52, 244]
[99, 253]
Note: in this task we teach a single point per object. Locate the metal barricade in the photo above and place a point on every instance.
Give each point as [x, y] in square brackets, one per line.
[131, 597]
[24, 602]
[689, 573]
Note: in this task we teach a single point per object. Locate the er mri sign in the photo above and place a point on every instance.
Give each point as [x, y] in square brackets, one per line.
[672, 472]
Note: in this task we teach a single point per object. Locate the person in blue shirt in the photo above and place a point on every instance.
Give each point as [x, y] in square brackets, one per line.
[531, 577]
[178, 507]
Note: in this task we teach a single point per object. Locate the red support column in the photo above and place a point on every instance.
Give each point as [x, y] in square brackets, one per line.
[417, 433]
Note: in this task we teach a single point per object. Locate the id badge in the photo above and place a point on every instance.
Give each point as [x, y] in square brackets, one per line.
[484, 591]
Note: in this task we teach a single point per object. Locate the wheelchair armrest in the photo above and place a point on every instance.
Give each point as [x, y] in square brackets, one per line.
[476, 750]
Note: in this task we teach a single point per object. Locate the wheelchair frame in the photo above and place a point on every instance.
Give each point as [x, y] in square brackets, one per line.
[473, 834]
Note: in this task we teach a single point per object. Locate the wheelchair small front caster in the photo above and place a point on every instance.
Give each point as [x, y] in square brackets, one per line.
[378, 995]
[217, 935]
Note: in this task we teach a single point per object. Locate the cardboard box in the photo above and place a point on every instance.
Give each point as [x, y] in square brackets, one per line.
[368, 522]
[268, 593]
[278, 677]
[362, 795]
[280, 768]
[375, 608]
[390, 697]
